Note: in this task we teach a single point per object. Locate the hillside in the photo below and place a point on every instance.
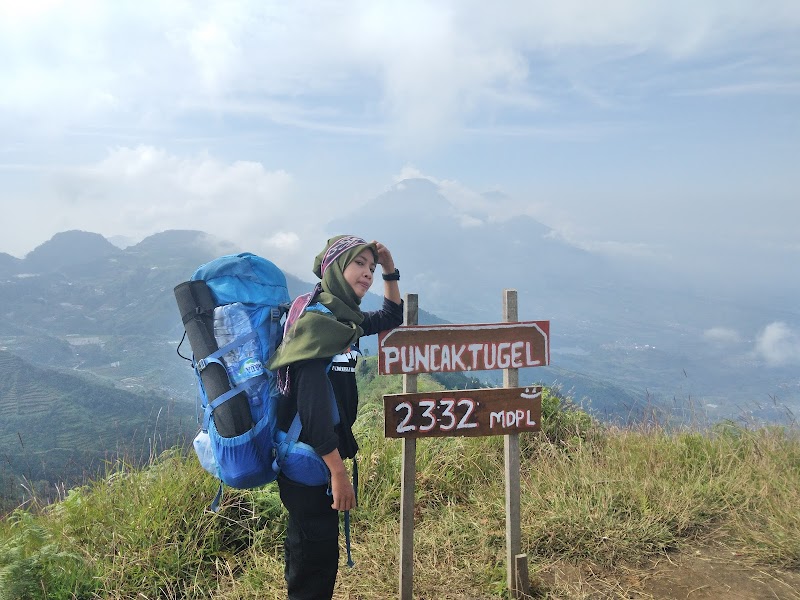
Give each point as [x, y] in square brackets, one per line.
[58, 428]
[606, 512]
[79, 305]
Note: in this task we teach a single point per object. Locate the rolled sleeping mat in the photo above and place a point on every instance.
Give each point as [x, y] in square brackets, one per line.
[196, 305]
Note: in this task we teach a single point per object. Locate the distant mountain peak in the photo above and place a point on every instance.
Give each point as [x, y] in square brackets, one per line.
[69, 248]
[418, 195]
[176, 241]
[417, 184]
[75, 236]
[121, 241]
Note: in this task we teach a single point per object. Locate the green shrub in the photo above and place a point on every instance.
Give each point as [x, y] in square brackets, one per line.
[35, 564]
[606, 495]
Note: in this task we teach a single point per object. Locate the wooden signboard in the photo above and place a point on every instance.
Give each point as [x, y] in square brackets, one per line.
[448, 348]
[496, 411]
[510, 346]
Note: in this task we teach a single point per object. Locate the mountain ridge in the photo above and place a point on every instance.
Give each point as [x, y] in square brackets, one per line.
[592, 309]
[615, 344]
[68, 248]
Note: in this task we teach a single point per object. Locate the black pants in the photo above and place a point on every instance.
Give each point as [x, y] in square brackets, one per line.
[312, 541]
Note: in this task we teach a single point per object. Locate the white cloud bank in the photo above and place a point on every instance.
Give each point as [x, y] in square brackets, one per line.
[778, 345]
[142, 190]
[722, 335]
[146, 189]
[422, 70]
[167, 78]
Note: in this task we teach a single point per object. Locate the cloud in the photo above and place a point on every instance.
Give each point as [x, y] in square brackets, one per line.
[472, 207]
[722, 335]
[755, 87]
[137, 191]
[283, 240]
[778, 345]
[420, 72]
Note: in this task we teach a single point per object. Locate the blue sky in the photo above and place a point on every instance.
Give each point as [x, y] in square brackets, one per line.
[667, 131]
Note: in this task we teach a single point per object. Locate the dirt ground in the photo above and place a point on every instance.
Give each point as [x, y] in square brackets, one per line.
[702, 572]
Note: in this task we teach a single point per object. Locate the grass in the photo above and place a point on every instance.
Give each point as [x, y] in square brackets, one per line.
[591, 494]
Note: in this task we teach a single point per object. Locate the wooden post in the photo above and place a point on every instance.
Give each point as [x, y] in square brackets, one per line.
[408, 476]
[523, 579]
[516, 563]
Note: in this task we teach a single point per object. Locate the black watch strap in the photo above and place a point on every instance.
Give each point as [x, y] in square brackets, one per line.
[391, 276]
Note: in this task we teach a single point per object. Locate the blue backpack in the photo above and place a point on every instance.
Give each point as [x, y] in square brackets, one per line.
[232, 309]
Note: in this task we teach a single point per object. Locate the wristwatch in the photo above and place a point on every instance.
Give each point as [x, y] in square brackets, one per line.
[391, 276]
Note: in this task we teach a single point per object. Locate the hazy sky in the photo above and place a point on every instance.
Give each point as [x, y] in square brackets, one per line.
[663, 128]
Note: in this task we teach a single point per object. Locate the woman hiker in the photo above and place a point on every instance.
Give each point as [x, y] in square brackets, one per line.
[315, 361]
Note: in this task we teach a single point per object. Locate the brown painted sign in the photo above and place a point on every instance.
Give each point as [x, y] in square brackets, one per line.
[447, 348]
[495, 411]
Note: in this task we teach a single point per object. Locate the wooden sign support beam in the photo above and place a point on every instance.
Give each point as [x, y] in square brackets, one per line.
[408, 476]
[516, 562]
[509, 345]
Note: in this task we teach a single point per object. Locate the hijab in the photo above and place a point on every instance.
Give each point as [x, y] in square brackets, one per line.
[310, 334]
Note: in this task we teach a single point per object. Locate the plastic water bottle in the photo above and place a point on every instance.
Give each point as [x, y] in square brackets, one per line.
[242, 362]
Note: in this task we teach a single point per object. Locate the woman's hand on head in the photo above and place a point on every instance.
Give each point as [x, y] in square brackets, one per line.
[391, 289]
[385, 259]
